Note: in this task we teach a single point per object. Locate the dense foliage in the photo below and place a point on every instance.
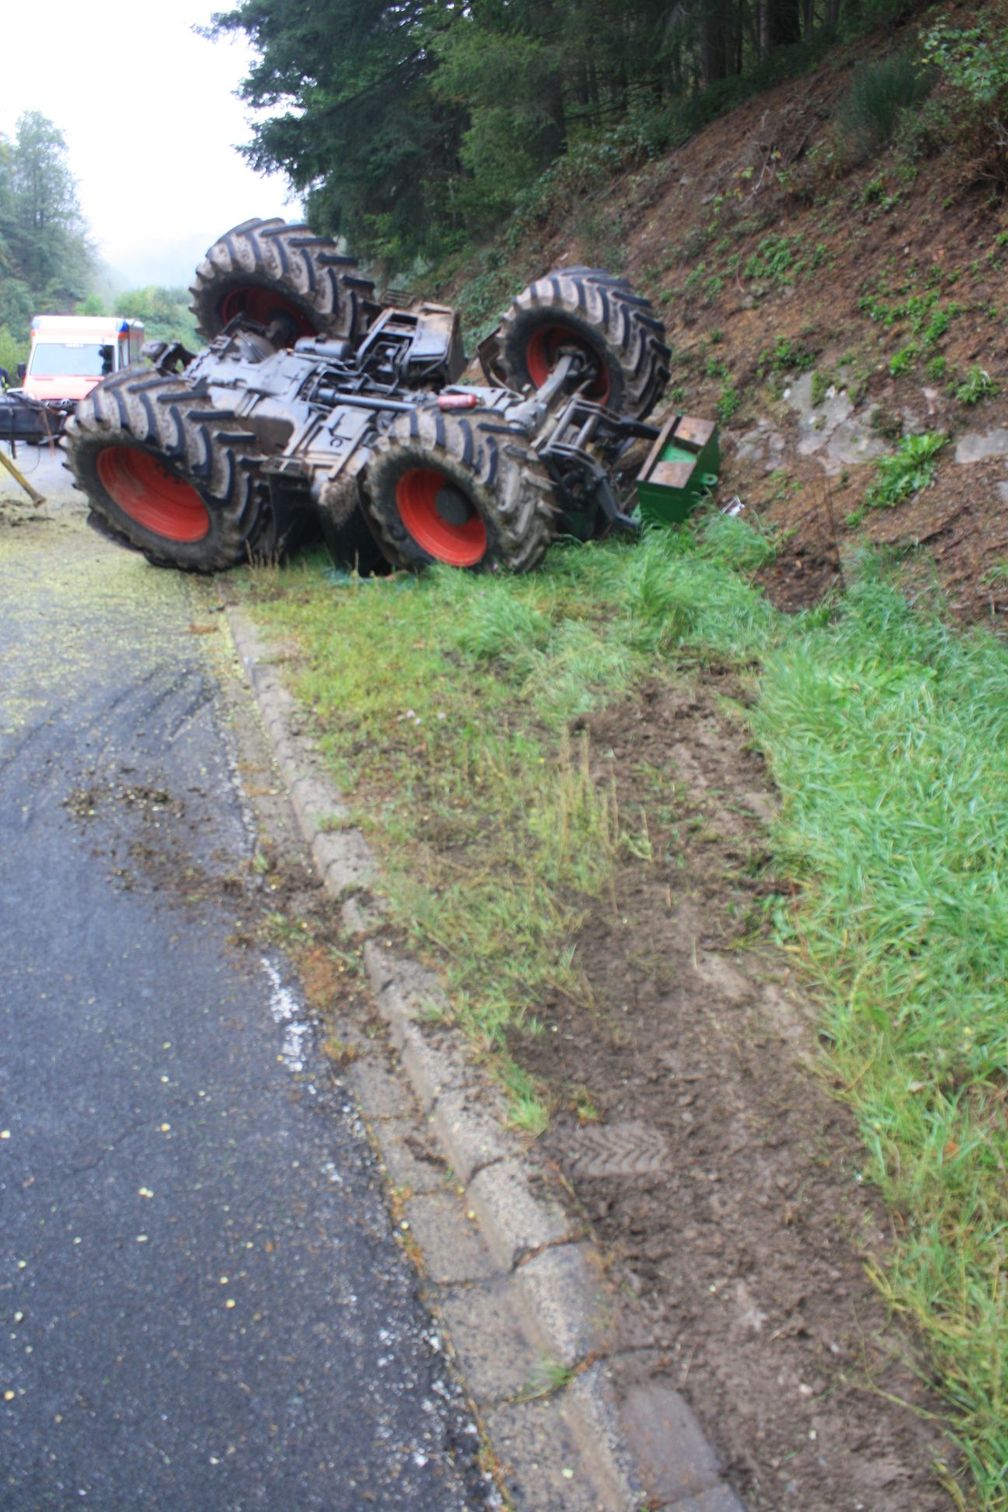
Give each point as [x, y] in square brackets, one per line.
[165, 313]
[45, 258]
[973, 63]
[412, 126]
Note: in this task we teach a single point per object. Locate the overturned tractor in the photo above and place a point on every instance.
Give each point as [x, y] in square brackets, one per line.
[315, 405]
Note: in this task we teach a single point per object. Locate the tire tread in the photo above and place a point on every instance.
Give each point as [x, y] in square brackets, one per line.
[502, 474]
[603, 305]
[289, 259]
[209, 448]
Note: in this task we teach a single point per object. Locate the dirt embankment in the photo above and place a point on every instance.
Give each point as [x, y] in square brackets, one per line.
[790, 285]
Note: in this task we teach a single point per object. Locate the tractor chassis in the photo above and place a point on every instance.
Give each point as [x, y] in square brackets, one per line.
[314, 406]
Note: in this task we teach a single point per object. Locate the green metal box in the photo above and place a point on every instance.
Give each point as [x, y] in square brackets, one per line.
[682, 467]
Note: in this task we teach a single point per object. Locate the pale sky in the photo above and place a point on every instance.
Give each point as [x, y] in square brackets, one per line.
[151, 123]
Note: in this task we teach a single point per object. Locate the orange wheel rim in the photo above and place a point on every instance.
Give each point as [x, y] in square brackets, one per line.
[440, 518]
[544, 348]
[143, 488]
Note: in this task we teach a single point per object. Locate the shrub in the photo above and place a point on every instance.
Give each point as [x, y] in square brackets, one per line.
[923, 133]
[978, 384]
[867, 119]
[728, 403]
[972, 64]
[774, 260]
[903, 360]
[12, 352]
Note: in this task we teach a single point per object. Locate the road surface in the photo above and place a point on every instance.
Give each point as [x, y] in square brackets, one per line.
[202, 1303]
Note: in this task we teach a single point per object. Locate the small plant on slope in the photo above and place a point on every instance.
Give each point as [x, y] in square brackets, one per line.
[978, 384]
[905, 473]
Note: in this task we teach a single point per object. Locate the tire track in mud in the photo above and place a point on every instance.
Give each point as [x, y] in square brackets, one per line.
[741, 1254]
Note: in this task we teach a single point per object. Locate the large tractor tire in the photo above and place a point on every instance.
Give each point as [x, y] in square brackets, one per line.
[598, 315]
[460, 489]
[169, 474]
[285, 277]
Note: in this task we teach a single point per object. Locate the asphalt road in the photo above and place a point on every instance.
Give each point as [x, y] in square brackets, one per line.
[202, 1304]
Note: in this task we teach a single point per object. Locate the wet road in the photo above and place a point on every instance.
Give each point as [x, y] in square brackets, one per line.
[202, 1304]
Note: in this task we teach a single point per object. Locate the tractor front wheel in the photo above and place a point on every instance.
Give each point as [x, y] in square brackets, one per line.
[281, 276]
[174, 477]
[465, 490]
[598, 317]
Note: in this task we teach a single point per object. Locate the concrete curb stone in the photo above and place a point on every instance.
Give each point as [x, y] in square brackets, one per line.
[515, 1222]
[471, 1140]
[537, 1290]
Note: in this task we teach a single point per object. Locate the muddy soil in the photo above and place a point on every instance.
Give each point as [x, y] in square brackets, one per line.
[949, 544]
[709, 1158]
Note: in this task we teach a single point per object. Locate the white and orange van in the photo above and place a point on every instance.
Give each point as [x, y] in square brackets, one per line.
[71, 353]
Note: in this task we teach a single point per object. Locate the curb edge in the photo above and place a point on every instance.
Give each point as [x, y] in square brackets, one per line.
[488, 1160]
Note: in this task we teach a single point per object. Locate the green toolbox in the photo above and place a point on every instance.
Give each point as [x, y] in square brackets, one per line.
[681, 469]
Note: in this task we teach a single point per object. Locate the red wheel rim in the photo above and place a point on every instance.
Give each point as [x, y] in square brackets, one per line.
[544, 348]
[155, 498]
[263, 306]
[422, 504]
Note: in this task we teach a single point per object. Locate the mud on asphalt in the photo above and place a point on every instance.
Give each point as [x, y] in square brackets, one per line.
[151, 826]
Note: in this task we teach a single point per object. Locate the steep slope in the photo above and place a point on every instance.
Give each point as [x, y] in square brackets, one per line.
[825, 312]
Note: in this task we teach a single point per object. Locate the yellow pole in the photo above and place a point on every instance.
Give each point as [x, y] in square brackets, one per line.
[32, 493]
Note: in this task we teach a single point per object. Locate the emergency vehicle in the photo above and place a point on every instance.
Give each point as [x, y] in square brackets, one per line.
[71, 353]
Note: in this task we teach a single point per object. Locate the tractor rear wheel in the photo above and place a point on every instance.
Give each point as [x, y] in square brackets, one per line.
[285, 276]
[465, 490]
[176, 478]
[598, 316]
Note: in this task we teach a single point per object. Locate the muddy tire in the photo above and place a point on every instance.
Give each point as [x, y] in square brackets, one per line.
[599, 315]
[284, 276]
[461, 489]
[174, 477]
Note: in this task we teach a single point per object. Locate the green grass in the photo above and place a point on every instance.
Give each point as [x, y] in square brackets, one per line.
[446, 702]
[453, 740]
[888, 737]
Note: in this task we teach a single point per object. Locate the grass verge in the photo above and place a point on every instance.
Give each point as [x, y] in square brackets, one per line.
[446, 704]
[445, 701]
[887, 736]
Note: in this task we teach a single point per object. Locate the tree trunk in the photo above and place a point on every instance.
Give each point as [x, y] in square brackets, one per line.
[715, 51]
[783, 22]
